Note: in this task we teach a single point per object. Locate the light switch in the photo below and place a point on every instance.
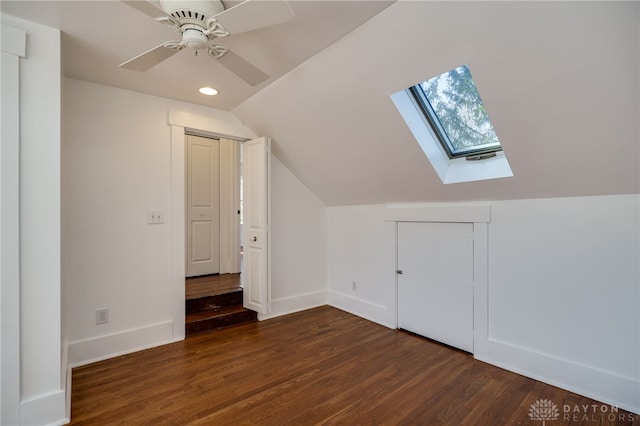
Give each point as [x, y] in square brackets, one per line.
[155, 216]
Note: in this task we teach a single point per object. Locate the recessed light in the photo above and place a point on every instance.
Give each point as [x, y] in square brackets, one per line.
[209, 91]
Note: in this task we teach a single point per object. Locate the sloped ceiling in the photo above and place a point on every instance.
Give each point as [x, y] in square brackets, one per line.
[97, 36]
[560, 81]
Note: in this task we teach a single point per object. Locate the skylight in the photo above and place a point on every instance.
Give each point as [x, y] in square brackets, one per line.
[452, 105]
[450, 123]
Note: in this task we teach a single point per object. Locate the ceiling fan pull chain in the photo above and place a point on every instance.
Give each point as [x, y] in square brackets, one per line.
[214, 28]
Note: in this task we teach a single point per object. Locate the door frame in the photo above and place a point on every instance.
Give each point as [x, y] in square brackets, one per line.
[180, 122]
[480, 217]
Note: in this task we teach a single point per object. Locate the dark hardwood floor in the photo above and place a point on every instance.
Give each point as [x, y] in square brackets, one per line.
[321, 366]
[211, 285]
[214, 302]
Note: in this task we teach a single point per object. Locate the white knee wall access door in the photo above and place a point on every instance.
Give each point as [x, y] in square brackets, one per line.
[435, 281]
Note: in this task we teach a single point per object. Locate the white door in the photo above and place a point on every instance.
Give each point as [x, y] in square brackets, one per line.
[256, 270]
[229, 206]
[203, 210]
[435, 281]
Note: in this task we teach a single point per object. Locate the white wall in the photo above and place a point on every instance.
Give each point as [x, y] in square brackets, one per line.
[563, 287]
[116, 166]
[564, 293]
[298, 244]
[564, 279]
[41, 373]
[120, 158]
[361, 249]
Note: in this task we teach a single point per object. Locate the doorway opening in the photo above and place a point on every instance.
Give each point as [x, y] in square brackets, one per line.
[256, 164]
[213, 216]
[213, 208]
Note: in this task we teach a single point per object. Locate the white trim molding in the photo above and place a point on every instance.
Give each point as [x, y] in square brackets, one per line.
[360, 307]
[417, 213]
[179, 122]
[87, 351]
[297, 303]
[480, 217]
[41, 409]
[603, 386]
[13, 48]
[207, 126]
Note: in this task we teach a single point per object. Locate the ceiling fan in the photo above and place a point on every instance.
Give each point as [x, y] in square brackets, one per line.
[200, 22]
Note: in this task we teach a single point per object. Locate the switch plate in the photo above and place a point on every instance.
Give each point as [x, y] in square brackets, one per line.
[155, 216]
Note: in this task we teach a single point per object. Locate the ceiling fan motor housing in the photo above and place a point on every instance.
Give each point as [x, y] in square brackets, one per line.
[194, 38]
[200, 22]
[192, 11]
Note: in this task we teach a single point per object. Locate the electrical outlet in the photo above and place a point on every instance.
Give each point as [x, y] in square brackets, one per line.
[102, 316]
[354, 286]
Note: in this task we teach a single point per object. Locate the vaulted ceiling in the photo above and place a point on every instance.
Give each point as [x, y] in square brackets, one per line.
[560, 81]
[98, 35]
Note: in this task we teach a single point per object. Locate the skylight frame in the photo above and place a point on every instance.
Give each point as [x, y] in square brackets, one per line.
[472, 153]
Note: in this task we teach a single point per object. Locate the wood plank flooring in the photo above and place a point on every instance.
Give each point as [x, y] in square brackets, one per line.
[321, 366]
[211, 285]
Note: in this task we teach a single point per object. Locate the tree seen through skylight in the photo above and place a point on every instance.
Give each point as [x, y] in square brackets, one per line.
[460, 111]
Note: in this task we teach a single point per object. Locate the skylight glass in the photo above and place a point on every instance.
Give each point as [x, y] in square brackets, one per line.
[453, 107]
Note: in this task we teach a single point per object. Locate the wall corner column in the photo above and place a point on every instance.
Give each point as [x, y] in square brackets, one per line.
[13, 48]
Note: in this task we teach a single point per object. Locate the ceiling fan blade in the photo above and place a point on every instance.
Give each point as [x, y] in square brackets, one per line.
[243, 69]
[253, 14]
[145, 7]
[149, 58]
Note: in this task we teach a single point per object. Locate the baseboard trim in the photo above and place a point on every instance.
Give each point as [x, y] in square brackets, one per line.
[66, 379]
[297, 303]
[47, 409]
[82, 352]
[362, 308]
[606, 387]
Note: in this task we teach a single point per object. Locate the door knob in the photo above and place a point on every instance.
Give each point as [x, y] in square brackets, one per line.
[254, 239]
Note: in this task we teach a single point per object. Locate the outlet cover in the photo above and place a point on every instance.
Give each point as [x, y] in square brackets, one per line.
[102, 316]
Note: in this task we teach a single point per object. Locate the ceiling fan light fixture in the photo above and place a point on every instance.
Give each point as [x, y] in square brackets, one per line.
[209, 91]
[194, 39]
